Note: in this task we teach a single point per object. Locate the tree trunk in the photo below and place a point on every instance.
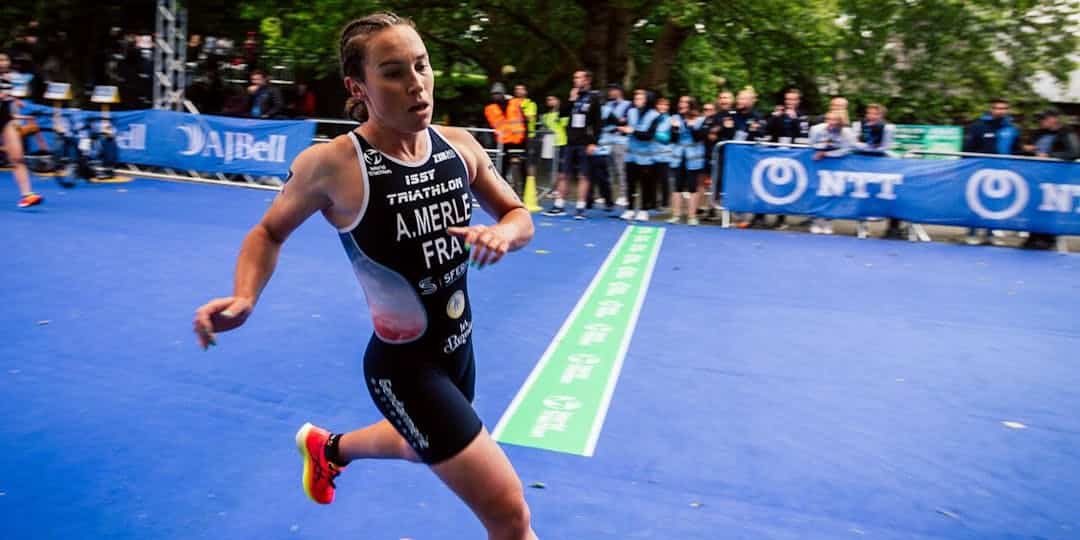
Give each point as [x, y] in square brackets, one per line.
[618, 45]
[594, 47]
[664, 51]
[606, 47]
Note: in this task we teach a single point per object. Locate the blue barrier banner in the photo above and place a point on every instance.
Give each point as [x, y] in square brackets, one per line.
[193, 142]
[1037, 196]
[207, 143]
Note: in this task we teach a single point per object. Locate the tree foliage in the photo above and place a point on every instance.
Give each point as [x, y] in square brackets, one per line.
[927, 60]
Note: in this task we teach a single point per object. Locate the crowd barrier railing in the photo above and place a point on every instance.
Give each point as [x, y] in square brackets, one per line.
[235, 150]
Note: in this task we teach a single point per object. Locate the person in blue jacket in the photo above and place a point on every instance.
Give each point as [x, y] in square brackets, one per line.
[993, 133]
[642, 121]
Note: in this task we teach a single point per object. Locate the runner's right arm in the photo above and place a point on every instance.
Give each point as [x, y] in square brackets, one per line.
[304, 194]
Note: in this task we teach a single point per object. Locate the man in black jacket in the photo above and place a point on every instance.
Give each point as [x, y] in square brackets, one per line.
[582, 134]
[1052, 140]
[788, 124]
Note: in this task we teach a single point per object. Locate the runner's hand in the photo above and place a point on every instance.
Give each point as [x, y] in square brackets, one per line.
[220, 315]
[488, 244]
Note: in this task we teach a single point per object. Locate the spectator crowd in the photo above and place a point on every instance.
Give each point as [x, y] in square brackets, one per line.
[650, 156]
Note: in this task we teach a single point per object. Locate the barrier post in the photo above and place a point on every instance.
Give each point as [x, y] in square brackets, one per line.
[725, 214]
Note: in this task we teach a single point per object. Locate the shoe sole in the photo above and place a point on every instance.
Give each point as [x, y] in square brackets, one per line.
[301, 445]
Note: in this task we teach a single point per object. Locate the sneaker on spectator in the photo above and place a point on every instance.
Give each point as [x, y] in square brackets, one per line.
[673, 220]
[627, 215]
[555, 211]
[826, 226]
[1039, 241]
[974, 240]
[579, 214]
[621, 201]
[756, 222]
[815, 227]
[1000, 238]
[893, 231]
[692, 221]
[642, 215]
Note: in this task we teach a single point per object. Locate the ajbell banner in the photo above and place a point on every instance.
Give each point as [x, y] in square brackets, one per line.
[194, 142]
[210, 143]
[1037, 196]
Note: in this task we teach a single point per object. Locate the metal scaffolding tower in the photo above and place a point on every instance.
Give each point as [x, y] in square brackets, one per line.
[170, 56]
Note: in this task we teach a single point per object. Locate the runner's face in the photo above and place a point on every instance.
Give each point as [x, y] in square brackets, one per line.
[399, 82]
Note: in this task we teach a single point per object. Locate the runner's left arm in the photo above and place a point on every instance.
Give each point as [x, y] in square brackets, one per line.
[514, 226]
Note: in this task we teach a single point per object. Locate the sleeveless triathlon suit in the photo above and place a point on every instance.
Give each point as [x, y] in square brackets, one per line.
[419, 363]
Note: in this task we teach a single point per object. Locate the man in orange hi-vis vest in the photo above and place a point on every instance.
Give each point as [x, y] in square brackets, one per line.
[505, 116]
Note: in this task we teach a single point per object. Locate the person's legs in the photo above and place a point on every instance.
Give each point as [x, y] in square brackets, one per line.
[655, 174]
[569, 166]
[14, 148]
[599, 176]
[676, 206]
[583, 186]
[633, 176]
[647, 192]
[580, 165]
[663, 180]
[482, 476]
[695, 179]
[377, 441]
[618, 170]
[429, 405]
[678, 194]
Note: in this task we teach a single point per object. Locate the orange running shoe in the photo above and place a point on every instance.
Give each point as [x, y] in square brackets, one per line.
[319, 472]
[30, 199]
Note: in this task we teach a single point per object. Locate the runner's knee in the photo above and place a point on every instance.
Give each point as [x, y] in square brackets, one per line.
[508, 516]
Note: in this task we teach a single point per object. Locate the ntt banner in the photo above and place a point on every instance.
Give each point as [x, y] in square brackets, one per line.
[210, 143]
[1037, 196]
